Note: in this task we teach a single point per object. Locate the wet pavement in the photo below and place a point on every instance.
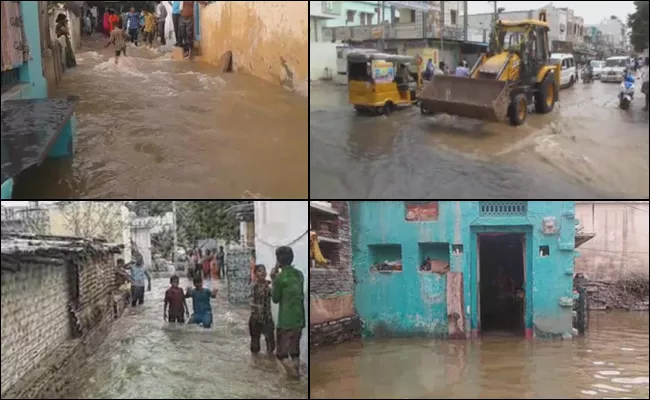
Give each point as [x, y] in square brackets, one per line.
[153, 127]
[145, 357]
[611, 361]
[587, 147]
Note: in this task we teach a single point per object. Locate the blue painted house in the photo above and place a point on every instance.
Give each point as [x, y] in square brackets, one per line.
[463, 268]
[49, 125]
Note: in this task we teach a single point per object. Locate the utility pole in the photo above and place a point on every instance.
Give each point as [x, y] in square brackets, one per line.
[175, 235]
[442, 30]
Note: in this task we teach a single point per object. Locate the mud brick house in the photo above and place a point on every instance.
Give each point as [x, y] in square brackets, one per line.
[332, 318]
[460, 268]
[57, 305]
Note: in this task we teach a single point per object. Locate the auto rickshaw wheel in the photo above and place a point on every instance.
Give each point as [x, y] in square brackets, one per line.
[388, 108]
[424, 110]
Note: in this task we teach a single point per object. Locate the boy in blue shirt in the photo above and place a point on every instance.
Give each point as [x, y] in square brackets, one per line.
[138, 275]
[202, 314]
[133, 21]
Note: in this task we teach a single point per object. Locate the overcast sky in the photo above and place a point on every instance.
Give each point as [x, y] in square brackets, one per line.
[591, 11]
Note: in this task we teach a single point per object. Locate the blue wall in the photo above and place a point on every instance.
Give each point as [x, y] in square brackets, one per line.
[32, 72]
[414, 302]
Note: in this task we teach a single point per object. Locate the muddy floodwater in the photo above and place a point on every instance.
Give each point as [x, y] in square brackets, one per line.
[145, 357]
[153, 127]
[611, 361]
[587, 147]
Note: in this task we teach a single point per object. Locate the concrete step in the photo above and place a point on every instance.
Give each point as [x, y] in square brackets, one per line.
[177, 52]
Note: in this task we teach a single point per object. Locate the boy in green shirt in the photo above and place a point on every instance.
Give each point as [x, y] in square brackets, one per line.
[288, 292]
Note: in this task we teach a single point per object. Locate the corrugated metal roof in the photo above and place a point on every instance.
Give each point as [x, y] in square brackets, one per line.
[24, 244]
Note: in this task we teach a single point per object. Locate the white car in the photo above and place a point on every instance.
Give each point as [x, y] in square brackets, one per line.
[597, 66]
[568, 73]
[614, 69]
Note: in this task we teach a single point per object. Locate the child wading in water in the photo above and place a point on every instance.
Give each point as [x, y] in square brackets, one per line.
[289, 294]
[202, 314]
[261, 320]
[175, 300]
[118, 39]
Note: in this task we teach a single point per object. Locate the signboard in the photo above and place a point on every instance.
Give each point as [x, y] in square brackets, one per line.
[377, 32]
[421, 211]
[413, 5]
[383, 71]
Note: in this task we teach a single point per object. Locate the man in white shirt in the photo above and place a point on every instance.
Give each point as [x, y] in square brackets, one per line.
[161, 15]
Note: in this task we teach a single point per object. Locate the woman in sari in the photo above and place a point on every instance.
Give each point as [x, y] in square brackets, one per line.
[106, 25]
[63, 34]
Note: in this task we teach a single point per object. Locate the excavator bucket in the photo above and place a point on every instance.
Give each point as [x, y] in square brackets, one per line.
[484, 99]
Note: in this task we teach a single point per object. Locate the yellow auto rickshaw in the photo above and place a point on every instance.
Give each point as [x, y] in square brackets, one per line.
[379, 82]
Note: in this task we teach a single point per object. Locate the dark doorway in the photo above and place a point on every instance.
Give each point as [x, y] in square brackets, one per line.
[501, 272]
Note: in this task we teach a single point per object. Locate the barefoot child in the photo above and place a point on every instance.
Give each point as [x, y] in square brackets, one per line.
[288, 292]
[118, 39]
[202, 314]
[175, 300]
[261, 320]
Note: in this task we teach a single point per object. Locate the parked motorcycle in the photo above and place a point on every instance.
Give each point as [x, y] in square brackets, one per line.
[626, 92]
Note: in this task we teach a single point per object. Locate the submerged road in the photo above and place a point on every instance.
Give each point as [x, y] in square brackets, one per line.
[587, 147]
[611, 361]
[146, 357]
[152, 127]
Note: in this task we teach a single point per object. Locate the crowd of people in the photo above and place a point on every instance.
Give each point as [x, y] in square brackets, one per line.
[144, 26]
[285, 288]
[431, 70]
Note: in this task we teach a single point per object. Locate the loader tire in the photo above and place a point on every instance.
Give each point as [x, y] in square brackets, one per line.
[518, 110]
[545, 96]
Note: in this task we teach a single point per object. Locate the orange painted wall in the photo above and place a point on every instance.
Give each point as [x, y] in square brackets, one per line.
[268, 39]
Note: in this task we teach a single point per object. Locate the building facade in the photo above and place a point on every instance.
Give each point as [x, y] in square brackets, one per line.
[332, 318]
[620, 247]
[421, 268]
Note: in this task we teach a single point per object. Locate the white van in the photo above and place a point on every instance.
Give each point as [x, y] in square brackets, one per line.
[614, 69]
[568, 74]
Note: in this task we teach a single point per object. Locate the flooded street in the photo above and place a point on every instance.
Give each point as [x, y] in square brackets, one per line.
[586, 147]
[152, 127]
[145, 357]
[611, 361]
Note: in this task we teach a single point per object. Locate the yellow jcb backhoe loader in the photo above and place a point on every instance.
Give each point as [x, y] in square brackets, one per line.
[516, 72]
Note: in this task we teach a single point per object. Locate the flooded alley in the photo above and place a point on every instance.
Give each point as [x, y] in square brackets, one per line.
[152, 127]
[611, 361]
[586, 147]
[145, 357]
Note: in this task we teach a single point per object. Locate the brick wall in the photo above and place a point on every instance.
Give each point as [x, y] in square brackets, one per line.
[47, 302]
[335, 281]
[35, 316]
[238, 263]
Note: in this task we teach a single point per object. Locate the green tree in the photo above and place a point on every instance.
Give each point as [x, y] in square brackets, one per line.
[638, 22]
[195, 219]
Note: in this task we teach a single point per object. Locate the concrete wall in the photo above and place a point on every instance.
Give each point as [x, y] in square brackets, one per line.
[322, 60]
[620, 246]
[332, 318]
[267, 38]
[35, 317]
[284, 223]
[411, 301]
